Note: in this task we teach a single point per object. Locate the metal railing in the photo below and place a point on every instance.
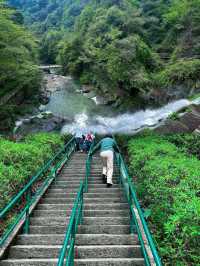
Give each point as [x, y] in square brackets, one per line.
[137, 220]
[67, 251]
[29, 194]
[66, 256]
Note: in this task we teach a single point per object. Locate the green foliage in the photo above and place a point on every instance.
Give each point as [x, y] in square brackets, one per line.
[18, 56]
[190, 143]
[183, 72]
[168, 182]
[107, 49]
[174, 116]
[49, 46]
[19, 161]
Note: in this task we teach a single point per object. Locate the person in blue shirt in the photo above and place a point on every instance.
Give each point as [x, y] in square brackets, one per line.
[107, 147]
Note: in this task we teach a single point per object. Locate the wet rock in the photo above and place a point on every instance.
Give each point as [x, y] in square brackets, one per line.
[172, 127]
[191, 120]
[48, 123]
[86, 89]
[188, 120]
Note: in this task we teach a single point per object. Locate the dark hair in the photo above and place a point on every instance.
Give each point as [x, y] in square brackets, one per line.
[108, 136]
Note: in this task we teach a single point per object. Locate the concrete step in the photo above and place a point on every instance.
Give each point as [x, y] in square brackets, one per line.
[49, 207]
[87, 206]
[86, 195]
[90, 190]
[78, 262]
[95, 213]
[47, 230]
[84, 229]
[104, 229]
[77, 184]
[86, 200]
[92, 180]
[110, 262]
[77, 181]
[63, 221]
[34, 251]
[51, 213]
[84, 239]
[108, 251]
[104, 189]
[68, 185]
[83, 252]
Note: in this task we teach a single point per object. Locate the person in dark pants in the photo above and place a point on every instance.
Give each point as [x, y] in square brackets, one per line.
[89, 139]
[78, 139]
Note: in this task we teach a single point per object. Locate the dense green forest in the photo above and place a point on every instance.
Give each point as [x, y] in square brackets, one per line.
[143, 49]
[18, 57]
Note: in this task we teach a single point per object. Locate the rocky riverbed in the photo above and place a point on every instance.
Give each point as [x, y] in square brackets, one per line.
[42, 120]
[65, 105]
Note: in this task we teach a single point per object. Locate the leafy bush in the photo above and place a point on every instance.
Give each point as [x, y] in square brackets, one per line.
[187, 142]
[19, 161]
[183, 72]
[168, 183]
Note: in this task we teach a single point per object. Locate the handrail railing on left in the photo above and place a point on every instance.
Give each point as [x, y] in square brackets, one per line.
[51, 170]
[67, 252]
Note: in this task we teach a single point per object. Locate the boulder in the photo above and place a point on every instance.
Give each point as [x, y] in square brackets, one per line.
[190, 120]
[172, 127]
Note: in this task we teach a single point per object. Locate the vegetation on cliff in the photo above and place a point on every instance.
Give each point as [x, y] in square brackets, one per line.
[18, 54]
[18, 59]
[168, 185]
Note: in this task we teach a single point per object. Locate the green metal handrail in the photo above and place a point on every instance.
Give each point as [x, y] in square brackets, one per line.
[67, 251]
[136, 215]
[88, 166]
[51, 169]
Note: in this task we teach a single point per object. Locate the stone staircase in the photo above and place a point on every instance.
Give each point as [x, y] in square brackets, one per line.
[103, 239]
[49, 220]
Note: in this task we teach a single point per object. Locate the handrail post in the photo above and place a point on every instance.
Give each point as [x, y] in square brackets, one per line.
[81, 207]
[73, 239]
[27, 214]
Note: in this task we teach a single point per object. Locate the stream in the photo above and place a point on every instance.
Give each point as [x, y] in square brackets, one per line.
[86, 113]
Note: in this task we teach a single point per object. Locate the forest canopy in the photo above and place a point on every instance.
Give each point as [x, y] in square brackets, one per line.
[18, 54]
[124, 48]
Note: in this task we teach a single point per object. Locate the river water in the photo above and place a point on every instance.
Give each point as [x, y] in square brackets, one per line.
[88, 115]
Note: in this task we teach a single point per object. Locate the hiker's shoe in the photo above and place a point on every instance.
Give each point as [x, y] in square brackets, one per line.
[104, 178]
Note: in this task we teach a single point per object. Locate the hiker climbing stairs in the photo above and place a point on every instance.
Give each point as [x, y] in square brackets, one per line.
[49, 220]
[104, 236]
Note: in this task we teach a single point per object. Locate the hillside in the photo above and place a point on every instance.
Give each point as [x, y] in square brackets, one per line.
[145, 50]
